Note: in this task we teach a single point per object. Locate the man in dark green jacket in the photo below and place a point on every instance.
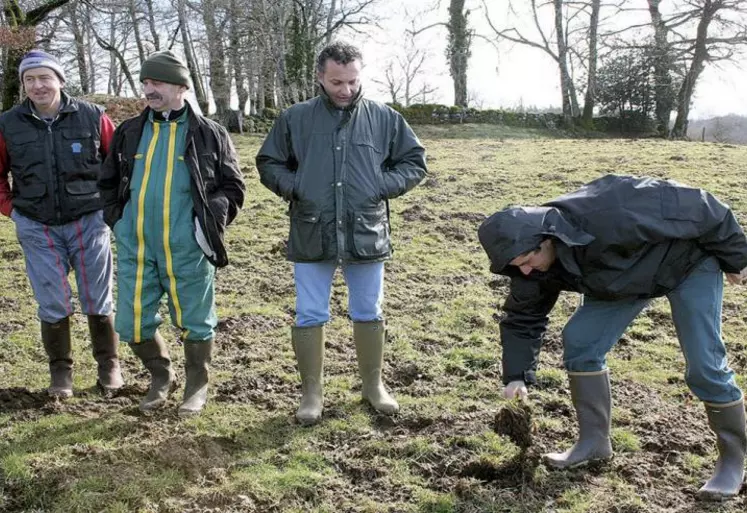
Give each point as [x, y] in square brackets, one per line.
[621, 241]
[338, 158]
[171, 185]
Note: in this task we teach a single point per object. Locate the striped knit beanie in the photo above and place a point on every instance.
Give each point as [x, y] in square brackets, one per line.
[40, 59]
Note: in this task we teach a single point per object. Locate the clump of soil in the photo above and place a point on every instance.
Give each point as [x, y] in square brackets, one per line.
[515, 421]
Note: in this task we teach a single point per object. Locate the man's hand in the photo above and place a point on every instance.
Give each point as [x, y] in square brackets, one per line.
[516, 389]
[737, 278]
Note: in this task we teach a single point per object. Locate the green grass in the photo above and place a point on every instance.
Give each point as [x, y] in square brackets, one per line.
[440, 454]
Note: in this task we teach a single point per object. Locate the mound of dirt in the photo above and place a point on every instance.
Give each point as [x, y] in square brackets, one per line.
[117, 108]
[515, 421]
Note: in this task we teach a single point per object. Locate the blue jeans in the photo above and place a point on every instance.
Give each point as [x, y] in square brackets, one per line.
[696, 311]
[314, 285]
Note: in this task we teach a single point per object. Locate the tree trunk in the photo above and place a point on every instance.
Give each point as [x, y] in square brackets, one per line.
[219, 83]
[136, 31]
[330, 20]
[152, 25]
[458, 50]
[189, 56]
[591, 82]
[112, 85]
[664, 99]
[269, 84]
[80, 47]
[92, 68]
[566, 84]
[697, 65]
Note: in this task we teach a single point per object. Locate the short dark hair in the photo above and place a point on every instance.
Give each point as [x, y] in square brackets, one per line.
[341, 53]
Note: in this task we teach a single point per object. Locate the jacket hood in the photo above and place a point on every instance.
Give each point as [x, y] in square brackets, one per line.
[516, 230]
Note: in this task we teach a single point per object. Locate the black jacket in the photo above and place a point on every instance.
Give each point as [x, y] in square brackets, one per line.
[616, 237]
[54, 167]
[338, 168]
[217, 183]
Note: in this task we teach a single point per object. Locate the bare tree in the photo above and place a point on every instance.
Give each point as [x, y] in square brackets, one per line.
[720, 34]
[135, 20]
[663, 64]
[404, 74]
[17, 20]
[80, 46]
[459, 47]
[219, 82]
[151, 17]
[591, 79]
[558, 51]
[194, 72]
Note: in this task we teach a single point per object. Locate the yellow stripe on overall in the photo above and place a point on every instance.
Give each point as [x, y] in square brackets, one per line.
[167, 223]
[138, 306]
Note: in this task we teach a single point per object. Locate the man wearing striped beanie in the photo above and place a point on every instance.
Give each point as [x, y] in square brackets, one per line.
[53, 146]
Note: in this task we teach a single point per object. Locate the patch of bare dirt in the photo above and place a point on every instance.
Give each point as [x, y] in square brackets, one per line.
[417, 213]
[251, 323]
[11, 254]
[266, 390]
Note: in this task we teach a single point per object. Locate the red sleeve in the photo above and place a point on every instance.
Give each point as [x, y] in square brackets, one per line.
[6, 196]
[107, 132]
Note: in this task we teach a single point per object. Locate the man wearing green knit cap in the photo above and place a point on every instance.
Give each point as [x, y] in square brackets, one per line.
[171, 184]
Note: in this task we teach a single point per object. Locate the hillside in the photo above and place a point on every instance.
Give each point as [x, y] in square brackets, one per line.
[723, 129]
[441, 453]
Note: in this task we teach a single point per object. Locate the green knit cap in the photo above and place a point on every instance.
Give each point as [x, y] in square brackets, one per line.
[165, 67]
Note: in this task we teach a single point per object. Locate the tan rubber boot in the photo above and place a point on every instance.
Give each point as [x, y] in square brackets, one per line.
[197, 358]
[155, 357]
[590, 394]
[104, 341]
[728, 423]
[369, 340]
[308, 345]
[56, 340]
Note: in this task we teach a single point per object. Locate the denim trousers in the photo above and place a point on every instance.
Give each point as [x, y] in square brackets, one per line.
[597, 325]
[365, 284]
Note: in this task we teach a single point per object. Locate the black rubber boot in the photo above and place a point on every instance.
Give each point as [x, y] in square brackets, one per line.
[56, 340]
[104, 341]
[155, 357]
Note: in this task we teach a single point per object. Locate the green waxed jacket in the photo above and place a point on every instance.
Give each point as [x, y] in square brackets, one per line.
[338, 168]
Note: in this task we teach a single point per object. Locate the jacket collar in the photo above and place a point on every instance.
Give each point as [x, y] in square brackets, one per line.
[330, 104]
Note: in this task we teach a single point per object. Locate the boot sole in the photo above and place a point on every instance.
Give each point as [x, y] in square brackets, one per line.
[60, 394]
[552, 465]
[715, 496]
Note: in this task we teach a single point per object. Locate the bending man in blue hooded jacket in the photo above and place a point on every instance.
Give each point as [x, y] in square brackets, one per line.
[621, 241]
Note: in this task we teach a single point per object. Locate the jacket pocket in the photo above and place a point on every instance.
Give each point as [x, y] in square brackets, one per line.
[37, 190]
[83, 188]
[77, 153]
[305, 239]
[371, 234]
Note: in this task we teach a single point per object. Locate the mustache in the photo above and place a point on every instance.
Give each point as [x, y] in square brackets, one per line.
[153, 96]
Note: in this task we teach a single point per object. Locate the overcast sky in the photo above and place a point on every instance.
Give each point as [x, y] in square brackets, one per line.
[511, 75]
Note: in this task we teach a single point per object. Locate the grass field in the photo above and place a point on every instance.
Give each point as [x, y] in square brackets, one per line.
[441, 453]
